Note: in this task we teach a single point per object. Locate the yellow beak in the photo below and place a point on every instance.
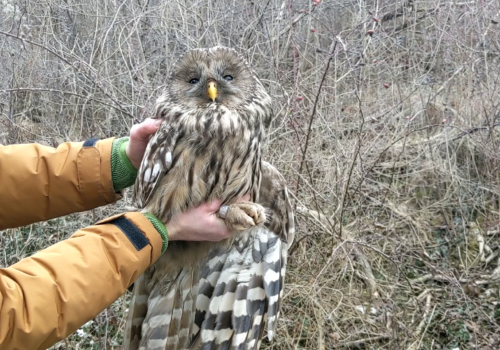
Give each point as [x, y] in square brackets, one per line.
[212, 90]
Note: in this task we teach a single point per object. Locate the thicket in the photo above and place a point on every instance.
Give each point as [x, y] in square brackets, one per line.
[386, 116]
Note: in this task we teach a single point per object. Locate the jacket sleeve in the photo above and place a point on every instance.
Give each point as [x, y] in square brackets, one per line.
[38, 183]
[46, 297]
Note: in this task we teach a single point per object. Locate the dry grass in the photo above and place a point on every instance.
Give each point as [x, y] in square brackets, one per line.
[389, 142]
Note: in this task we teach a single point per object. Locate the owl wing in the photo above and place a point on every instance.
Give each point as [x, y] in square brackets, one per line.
[250, 276]
[226, 302]
[157, 161]
[136, 315]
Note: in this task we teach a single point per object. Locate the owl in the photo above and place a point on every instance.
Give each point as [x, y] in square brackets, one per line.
[212, 295]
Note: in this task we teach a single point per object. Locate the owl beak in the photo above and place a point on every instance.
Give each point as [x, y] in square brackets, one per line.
[212, 90]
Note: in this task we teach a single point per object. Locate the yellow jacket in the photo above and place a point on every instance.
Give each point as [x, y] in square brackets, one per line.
[46, 297]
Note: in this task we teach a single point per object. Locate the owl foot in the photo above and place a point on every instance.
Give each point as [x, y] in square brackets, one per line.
[241, 216]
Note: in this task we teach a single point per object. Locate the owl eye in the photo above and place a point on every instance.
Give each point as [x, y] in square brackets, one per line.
[228, 77]
[194, 81]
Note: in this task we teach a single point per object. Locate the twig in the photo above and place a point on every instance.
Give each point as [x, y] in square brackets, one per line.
[491, 257]
[349, 344]
[287, 29]
[423, 322]
[474, 130]
[446, 82]
[429, 276]
[321, 330]
[66, 93]
[345, 192]
[10, 116]
[368, 275]
[407, 217]
[313, 113]
[421, 279]
[367, 272]
[422, 295]
[62, 58]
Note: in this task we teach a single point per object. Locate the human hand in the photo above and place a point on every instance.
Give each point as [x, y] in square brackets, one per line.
[139, 138]
[200, 224]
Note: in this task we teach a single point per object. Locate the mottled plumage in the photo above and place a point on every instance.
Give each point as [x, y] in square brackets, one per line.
[204, 295]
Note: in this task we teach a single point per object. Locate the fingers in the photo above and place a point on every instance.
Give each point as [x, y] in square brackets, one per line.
[211, 207]
[217, 225]
[139, 138]
[219, 230]
[201, 223]
[142, 131]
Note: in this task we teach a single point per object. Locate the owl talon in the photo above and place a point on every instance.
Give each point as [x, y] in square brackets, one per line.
[242, 216]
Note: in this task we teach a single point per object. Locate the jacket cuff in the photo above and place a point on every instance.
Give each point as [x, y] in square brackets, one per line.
[140, 232]
[123, 173]
[160, 227]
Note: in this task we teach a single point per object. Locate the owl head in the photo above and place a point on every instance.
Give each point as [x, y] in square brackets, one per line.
[217, 75]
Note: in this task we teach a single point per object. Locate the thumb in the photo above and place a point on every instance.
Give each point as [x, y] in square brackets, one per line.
[139, 138]
[142, 132]
[212, 206]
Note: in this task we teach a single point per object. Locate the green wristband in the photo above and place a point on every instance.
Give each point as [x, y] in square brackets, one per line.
[160, 227]
[123, 173]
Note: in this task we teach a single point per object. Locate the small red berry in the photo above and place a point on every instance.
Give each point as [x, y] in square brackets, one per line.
[386, 85]
[375, 19]
[375, 60]
[299, 98]
[313, 30]
[370, 32]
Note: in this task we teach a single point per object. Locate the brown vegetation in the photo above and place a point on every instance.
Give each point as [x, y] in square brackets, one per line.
[386, 128]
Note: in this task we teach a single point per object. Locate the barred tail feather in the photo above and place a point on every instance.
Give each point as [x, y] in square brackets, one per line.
[170, 308]
[273, 283]
[232, 297]
[189, 307]
[246, 289]
[137, 312]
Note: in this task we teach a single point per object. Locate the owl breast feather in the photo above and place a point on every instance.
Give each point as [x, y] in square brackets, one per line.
[216, 155]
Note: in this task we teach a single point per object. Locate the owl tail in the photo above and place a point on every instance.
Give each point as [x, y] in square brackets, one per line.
[166, 315]
[137, 312]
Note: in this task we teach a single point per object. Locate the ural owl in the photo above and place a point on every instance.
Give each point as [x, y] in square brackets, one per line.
[203, 294]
